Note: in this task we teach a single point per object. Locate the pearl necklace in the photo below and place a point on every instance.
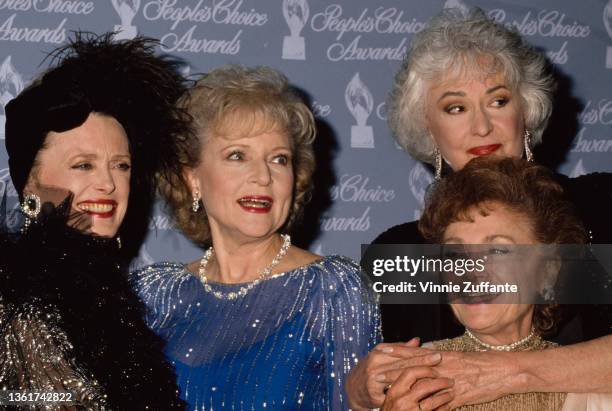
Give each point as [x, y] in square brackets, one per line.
[505, 347]
[248, 287]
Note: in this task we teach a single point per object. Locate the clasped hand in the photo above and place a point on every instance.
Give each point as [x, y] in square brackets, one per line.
[417, 378]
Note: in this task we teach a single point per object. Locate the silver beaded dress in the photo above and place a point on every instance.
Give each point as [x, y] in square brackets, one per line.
[287, 344]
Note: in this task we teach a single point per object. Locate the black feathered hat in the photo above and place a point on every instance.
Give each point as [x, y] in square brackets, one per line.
[124, 80]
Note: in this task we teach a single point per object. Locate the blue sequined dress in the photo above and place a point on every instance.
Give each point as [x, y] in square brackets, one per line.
[288, 344]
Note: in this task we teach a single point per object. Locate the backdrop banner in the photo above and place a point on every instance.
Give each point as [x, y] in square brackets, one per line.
[343, 55]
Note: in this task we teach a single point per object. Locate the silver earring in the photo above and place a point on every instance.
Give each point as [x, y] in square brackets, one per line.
[195, 204]
[527, 142]
[548, 294]
[30, 206]
[119, 242]
[438, 164]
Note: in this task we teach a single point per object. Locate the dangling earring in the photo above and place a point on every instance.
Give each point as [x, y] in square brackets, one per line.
[119, 242]
[195, 204]
[548, 294]
[30, 206]
[438, 164]
[527, 142]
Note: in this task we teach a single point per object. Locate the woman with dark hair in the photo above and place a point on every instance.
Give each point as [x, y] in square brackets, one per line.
[83, 142]
[518, 211]
[256, 322]
[472, 87]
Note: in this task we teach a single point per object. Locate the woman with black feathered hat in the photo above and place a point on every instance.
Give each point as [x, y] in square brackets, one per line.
[84, 141]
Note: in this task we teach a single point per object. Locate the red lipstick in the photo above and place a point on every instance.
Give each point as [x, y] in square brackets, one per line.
[484, 150]
[255, 204]
[101, 208]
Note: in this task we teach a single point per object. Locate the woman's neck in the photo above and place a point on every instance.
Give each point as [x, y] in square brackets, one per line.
[510, 334]
[241, 261]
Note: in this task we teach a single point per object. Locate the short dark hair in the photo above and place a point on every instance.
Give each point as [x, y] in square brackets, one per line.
[525, 188]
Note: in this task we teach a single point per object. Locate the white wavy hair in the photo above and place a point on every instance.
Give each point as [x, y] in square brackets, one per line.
[455, 42]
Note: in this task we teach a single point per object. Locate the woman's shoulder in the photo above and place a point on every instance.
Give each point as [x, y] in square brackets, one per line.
[340, 275]
[591, 195]
[337, 266]
[599, 181]
[159, 274]
[405, 233]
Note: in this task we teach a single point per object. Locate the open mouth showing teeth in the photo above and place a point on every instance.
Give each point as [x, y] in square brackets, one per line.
[96, 208]
[472, 297]
[253, 203]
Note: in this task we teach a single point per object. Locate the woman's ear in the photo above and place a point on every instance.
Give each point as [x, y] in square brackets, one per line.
[192, 181]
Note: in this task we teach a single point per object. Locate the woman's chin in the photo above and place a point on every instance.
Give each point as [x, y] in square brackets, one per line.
[100, 230]
[478, 316]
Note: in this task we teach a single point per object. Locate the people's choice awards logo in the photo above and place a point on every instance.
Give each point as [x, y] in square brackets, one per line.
[357, 189]
[11, 85]
[360, 103]
[296, 15]
[126, 9]
[607, 18]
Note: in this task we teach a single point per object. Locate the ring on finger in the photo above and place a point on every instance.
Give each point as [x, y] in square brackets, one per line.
[386, 389]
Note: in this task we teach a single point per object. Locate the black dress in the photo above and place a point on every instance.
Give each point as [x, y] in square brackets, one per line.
[70, 321]
[592, 196]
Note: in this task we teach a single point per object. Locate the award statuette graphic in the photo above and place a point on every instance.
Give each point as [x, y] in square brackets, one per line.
[578, 170]
[296, 15]
[607, 19]
[360, 103]
[126, 9]
[11, 84]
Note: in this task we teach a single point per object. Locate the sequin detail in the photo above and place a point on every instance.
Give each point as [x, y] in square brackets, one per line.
[288, 344]
[35, 355]
[531, 401]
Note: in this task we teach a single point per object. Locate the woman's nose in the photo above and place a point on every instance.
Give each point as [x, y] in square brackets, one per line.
[481, 122]
[261, 173]
[105, 181]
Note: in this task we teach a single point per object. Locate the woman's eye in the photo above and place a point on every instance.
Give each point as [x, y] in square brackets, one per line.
[500, 102]
[124, 166]
[82, 166]
[235, 155]
[498, 251]
[454, 109]
[282, 159]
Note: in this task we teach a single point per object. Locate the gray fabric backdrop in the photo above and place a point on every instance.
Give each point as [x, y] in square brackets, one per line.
[331, 50]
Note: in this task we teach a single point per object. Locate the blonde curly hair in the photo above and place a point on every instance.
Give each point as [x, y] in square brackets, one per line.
[244, 101]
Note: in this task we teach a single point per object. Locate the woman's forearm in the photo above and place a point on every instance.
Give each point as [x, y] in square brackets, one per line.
[584, 367]
[485, 376]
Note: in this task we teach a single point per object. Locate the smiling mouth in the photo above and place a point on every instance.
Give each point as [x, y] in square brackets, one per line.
[102, 209]
[477, 298]
[484, 150]
[256, 204]
[473, 295]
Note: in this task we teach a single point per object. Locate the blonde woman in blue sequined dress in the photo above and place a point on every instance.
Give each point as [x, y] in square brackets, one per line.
[255, 323]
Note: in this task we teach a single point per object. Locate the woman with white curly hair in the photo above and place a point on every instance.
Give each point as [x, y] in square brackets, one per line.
[471, 87]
